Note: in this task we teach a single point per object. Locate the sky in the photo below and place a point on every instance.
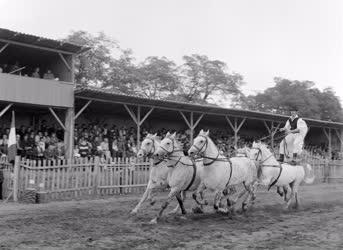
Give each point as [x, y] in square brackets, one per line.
[294, 39]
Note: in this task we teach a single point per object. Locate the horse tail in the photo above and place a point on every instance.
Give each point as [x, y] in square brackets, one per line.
[309, 175]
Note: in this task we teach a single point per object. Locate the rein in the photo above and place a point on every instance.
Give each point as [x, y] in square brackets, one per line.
[274, 166]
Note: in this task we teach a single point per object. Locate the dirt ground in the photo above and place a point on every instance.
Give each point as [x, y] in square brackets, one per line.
[106, 224]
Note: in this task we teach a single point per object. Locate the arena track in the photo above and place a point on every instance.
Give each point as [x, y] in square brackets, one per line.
[106, 224]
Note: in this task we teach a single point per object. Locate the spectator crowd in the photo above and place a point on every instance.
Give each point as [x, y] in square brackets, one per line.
[17, 69]
[111, 141]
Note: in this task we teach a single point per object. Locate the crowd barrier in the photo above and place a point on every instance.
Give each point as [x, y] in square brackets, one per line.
[48, 180]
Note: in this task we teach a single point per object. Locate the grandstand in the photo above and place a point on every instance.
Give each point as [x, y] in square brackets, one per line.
[38, 99]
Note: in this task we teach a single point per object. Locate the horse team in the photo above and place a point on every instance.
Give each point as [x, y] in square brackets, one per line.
[206, 169]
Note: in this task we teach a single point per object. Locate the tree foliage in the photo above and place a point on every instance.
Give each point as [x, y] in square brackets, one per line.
[203, 80]
[287, 94]
[93, 66]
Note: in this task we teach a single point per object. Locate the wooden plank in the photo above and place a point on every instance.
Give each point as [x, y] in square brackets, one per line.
[82, 109]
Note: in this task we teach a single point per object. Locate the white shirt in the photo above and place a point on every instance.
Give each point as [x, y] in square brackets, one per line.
[301, 125]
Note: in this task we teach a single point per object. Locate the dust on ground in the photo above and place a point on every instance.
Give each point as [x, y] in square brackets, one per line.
[106, 224]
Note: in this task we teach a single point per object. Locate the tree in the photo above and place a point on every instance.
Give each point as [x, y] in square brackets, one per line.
[203, 79]
[93, 66]
[158, 77]
[287, 94]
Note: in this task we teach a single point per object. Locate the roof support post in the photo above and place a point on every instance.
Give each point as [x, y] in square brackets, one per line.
[69, 133]
[65, 61]
[82, 109]
[339, 134]
[191, 124]
[235, 127]
[137, 119]
[272, 131]
[4, 47]
[57, 118]
[327, 133]
[5, 109]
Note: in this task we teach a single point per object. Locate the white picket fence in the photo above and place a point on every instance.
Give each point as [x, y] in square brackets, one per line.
[82, 178]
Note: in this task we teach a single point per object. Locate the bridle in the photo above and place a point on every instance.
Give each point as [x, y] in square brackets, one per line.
[151, 152]
[169, 155]
[260, 153]
[201, 150]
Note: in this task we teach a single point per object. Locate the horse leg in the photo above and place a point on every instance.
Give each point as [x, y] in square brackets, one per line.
[145, 196]
[280, 191]
[180, 199]
[199, 191]
[217, 199]
[297, 203]
[249, 198]
[286, 191]
[183, 197]
[171, 195]
[289, 199]
[199, 210]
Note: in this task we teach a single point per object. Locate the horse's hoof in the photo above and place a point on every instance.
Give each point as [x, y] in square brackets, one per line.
[197, 210]
[152, 202]
[205, 202]
[223, 210]
[133, 212]
[153, 221]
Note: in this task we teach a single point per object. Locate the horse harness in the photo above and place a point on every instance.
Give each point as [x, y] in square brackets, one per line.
[276, 166]
[214, 159]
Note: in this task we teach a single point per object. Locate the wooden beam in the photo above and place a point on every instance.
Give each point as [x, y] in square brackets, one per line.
[138, 126]
[146, 116]
[198, 120]
[35, 46]
[4, 47]
[133, 116]
[82, 109]
[56, 117]
[338, 136]
[241, 124]
[267, 127]
[65, 62]
[186, 120]
[326, 133]
[5, 109]
[229, 121]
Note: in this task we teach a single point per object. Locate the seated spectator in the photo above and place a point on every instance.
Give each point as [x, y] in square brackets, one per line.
[49, 75]
[83, 147]
[14, 69]
[115, 149]
[4, 144]
[36, 74]
[105, 148]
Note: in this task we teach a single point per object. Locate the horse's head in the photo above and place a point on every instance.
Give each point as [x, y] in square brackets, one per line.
[148, 146]
[260, 152]
[167, 146]
[243, 152]
[200, 143]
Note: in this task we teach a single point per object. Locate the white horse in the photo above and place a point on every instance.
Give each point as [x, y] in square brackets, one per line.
[184, 174]
[221, 173]
[158, 173]
[280, 175]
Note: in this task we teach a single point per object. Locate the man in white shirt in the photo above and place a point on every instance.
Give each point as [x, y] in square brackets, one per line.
[295, 129]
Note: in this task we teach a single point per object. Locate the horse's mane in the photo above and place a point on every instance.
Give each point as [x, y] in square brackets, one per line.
[176, 141]
[153, 137]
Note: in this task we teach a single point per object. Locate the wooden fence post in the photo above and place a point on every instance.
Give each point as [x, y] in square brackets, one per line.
[96, 175]
[16, 178]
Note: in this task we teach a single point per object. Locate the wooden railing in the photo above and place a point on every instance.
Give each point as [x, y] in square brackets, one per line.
[63, 180]
[82, 178]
